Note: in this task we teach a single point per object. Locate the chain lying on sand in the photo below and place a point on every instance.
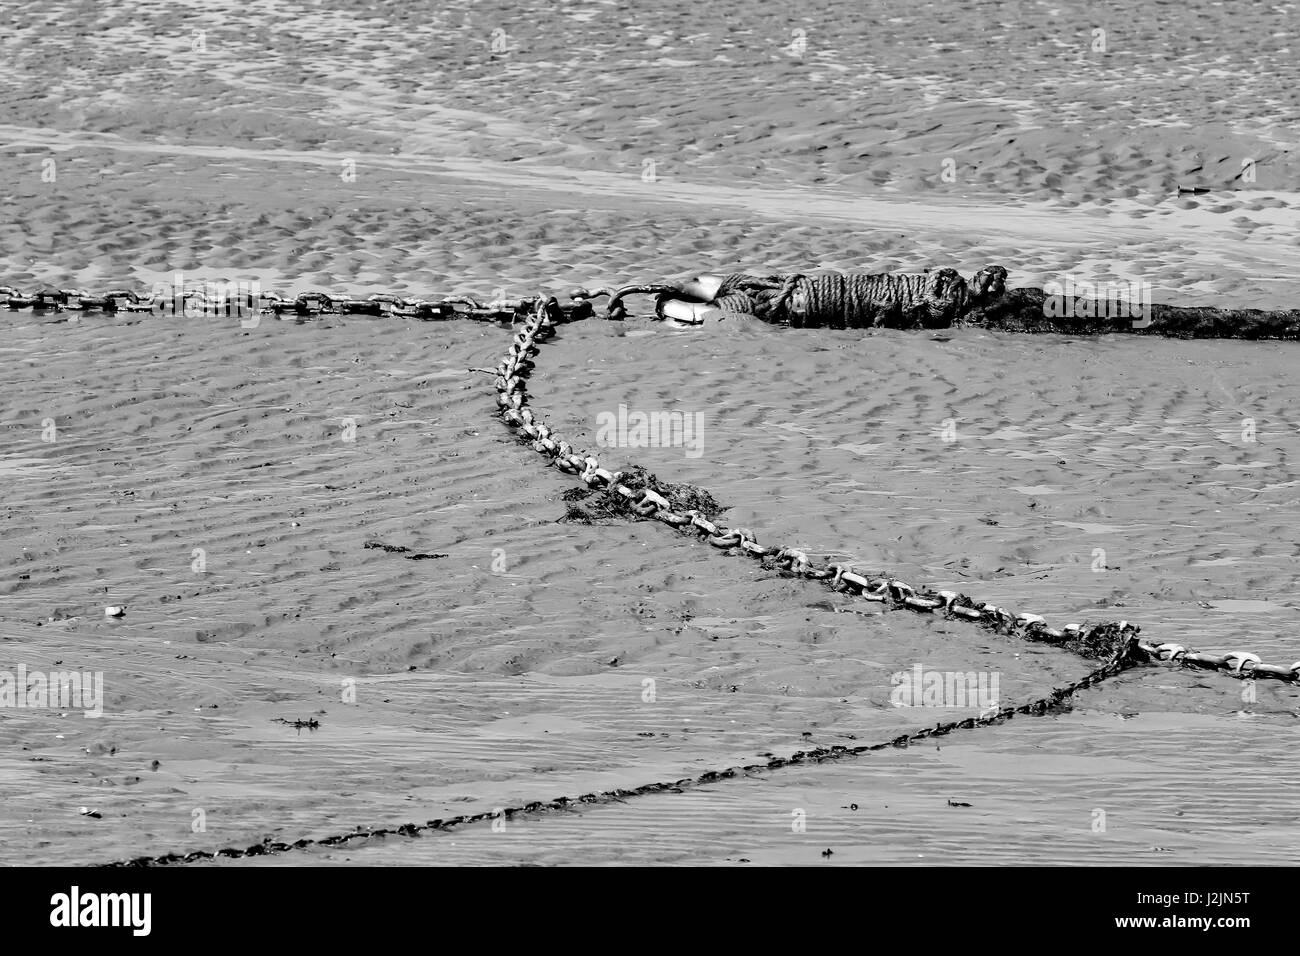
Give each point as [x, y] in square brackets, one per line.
[938, 298]
[936, 294]
[1087, 640]
[202, 298]
[942, 298]
[1124, 657]
[1118, 641]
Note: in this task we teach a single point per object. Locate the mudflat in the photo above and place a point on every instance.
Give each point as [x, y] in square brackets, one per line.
[244, 491]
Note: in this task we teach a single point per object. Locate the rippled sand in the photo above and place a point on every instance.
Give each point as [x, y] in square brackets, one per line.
[480, 686]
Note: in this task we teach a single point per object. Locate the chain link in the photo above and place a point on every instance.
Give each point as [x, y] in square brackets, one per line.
[1241, 664]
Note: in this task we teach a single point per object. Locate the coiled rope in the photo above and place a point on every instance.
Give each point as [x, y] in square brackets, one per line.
[942, 298]
[847, 300]
[839, 300]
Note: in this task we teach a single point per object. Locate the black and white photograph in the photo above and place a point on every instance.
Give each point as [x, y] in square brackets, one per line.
[641, 434]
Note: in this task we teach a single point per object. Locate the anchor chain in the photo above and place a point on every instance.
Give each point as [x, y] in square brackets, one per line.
[1087, 640]
[513, 369]
[542, 314]
[203, 299]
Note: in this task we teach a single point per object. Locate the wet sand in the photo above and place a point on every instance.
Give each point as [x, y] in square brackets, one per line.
[479, 687]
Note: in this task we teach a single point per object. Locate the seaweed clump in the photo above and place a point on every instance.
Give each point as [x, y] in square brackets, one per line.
[589, 506]
[1098, 641]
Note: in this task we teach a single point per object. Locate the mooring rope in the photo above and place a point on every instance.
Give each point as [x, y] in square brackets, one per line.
[847, 300]
[932, 299]
[942, 298]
